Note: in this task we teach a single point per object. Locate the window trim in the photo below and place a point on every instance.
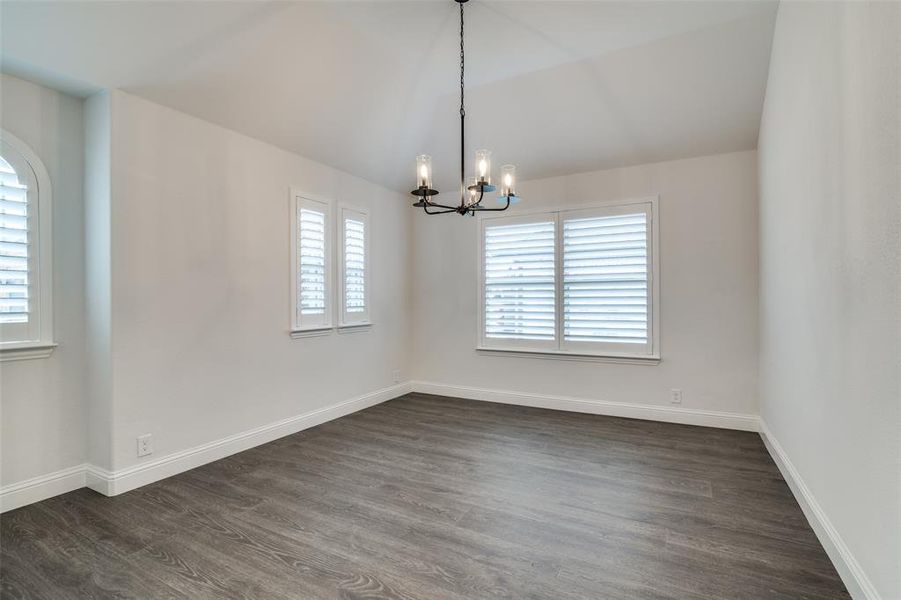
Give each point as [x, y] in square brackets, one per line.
[298, 328]
[39, 341]
[560, 349]
[364, 320]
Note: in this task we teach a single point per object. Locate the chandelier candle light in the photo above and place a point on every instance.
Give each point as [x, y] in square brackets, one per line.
[470, 195]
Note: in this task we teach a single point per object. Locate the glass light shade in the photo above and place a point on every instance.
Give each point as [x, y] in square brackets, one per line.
[424, 171]
[483, 166]
[508, 180]
[471, 195]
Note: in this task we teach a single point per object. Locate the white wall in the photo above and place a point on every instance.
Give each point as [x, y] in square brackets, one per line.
[200, 285]
[42, 401]
[708, 237]
[830, 225]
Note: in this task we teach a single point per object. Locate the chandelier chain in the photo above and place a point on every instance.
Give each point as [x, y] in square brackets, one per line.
[462, 64]
[462, 116]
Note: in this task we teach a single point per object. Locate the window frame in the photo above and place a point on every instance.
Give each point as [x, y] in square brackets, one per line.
[311, 326]
[559, 348]
[33, 339]
[613, 348]
[346, 319]
[510, 344]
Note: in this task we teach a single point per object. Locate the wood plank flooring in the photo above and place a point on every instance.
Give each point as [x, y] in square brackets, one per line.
[430, 498]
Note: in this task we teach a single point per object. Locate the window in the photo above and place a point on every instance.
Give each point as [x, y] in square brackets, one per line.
[311, 263]
[578, 282]
[26, 310]
[354, 278]
[519, 280]
[13, 247]
[312, 227]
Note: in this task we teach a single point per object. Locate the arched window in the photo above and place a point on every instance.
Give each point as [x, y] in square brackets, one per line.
[26, 310]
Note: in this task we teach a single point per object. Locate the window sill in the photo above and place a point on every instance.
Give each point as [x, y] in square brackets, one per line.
[354, 328]
[312, 332]
[26, 351]
[558, 355]
[318, 331]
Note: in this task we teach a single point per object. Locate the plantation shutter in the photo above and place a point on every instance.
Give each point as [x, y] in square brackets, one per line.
[606, 280]
[355, 277]
[313, 264]
[14, 247]
[518, 282]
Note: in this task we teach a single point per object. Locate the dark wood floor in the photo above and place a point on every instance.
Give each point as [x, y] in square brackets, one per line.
[426, 497]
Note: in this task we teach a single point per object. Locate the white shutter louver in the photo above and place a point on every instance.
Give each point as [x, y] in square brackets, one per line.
[312, 280]
[605, 279]
[354, 265]
[14, 247]
[519, 281]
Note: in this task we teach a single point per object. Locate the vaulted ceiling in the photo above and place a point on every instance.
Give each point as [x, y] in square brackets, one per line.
[555, 87]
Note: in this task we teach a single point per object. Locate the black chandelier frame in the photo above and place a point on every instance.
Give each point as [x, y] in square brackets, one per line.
[425, 193]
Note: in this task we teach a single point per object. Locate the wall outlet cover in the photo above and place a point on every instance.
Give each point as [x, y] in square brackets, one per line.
[145, 445]
[675, 396]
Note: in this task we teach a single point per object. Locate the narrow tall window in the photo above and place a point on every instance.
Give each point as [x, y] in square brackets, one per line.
[518, 277]
[25, 253]
[14, 255]
[355, 288]
[571, 282]
[605, 281]
[311, 267]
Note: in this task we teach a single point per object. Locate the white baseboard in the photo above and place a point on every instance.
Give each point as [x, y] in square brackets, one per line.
[40, 488]
[685, 416]
[858, 584]
[117, 482]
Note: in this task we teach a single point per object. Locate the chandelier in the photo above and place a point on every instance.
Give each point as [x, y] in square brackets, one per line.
[470, 195]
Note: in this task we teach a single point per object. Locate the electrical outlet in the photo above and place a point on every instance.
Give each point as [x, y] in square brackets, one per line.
[145, 445]
[397, 376]
[675, 396]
